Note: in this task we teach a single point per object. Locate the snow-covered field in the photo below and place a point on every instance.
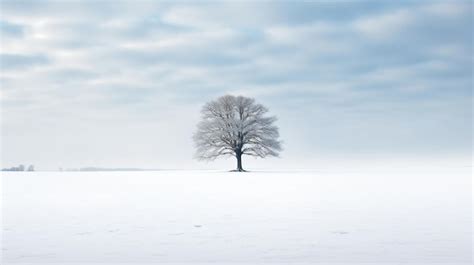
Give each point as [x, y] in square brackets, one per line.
[391, 216]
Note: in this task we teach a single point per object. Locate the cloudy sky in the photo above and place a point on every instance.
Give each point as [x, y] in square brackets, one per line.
[120, 84]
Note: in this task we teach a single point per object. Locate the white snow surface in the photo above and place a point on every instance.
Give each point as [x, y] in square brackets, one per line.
[390, 216]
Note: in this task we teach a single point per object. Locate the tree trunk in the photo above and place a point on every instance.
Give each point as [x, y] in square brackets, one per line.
[239, 161]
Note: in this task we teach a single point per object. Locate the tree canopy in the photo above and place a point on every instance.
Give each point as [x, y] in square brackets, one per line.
[236, 126]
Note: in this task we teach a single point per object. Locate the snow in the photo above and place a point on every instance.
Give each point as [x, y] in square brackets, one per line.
[409, 215]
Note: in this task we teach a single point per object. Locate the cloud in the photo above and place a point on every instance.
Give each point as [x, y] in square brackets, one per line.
[325, 69]
[386, 25]
[449, 9]
[21, 61]
[11, 29]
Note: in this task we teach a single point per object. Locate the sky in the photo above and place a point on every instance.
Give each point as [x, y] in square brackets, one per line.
[121, 83]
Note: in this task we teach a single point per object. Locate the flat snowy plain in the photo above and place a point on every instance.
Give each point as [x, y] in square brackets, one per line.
[386, 215]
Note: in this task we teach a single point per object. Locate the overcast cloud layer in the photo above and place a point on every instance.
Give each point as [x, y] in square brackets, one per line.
[120, 84]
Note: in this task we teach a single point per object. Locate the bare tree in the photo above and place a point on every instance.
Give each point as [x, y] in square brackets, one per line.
[236, 126]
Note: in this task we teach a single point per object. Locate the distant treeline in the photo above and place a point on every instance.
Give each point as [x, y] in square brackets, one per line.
[20, 168]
